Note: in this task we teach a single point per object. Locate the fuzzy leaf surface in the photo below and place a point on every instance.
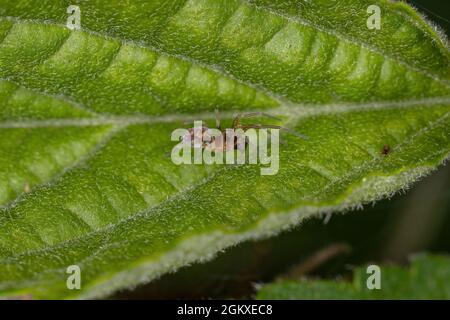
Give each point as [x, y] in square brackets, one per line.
[85, 121]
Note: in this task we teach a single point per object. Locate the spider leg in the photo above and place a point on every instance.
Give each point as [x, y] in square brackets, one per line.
[266, 126]
[238, 118]
[295, 133]
[259, 126]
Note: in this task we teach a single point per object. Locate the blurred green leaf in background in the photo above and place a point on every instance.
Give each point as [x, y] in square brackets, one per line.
[428, 277]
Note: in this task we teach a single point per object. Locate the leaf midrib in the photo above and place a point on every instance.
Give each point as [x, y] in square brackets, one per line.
[296, 111]
[367, 164]
[293, 111]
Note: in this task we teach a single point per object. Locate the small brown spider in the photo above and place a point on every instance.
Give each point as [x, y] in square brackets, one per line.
[211, 144]
[386, 150]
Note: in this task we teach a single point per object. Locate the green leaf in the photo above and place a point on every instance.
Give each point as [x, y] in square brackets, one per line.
[428, 277]
[85, 119]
